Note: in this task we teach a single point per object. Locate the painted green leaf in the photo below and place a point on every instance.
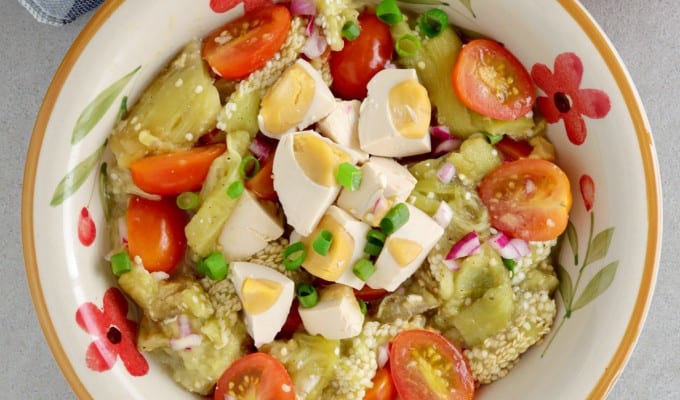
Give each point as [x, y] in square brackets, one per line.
[566, 286]
[599, 246]
[597, 285]
[76, 177]
[468, 5]
[425, 2]
[572, 235]
[98, 107]
[123, 110]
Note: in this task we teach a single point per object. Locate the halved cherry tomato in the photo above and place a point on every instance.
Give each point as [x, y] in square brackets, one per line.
[425, 365]
[257, 376]
[367, 293]
[247, 43]
[173, 173]
[293, 322]
[528, 199]
[156, 232]
[383, 387]
[262, 184]
[489, 79]
[360, 59]
[512, 149]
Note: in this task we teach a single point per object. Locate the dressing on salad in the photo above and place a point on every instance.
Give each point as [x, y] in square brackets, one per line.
[330, 201]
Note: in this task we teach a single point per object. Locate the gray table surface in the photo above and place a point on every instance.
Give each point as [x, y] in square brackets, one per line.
[644, 32]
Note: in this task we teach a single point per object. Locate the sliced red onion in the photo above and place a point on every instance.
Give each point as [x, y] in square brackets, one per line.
[499, 240]
[302, 7]
[440, 132]
[522, 246]
[509, 248]
[466, 246]
[446, 146]
[310, 27]
[315, 45]
[259, 148]
[186, 342]
[184, 326]
[383, 355]
[446, 172]
[529, 186]
[452, 265]
[443, 215]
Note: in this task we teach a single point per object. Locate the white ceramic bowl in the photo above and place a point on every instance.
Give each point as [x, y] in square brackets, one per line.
[610, 161]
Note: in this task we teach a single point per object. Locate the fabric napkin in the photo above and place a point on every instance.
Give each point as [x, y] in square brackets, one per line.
[59, 12]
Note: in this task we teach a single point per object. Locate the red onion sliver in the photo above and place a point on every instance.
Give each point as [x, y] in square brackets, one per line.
[302, 7]
[310, 27]
[466, 246]
[446, 146]
[443, 215]
[440, 132]
[499, 240]
[446, 172]
[383, 355]
[260, 149]
[315, 45]
[184, 326]
[521, 246]
[452, 265]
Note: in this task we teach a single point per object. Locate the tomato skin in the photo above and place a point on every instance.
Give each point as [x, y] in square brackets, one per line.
[249, 48]
[156, 233]
[293, 322]
[270, 379]
[485, 68]
[527, 199]
[367, 293]
[383, 387]
[262, 184]
[512, 149]
[173, 173]
[411, 382]
[360, 59]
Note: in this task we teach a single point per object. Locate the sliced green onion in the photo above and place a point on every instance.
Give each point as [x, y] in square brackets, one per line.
[350, 30]
[294, 255]
[249, 167]
[373, 249]
[235, 189]
[388, 12]
[307, 295]
[394, 219]
[213, 266]
[509, 263]
[493, 138]
[322, 243]
[363, 269]
[187, 200]
[121, 263]
[407, 45]
[363, 307]
[348, 176]
[433, 22]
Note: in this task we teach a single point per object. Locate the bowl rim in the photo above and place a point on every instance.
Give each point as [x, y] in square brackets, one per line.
[573, 7]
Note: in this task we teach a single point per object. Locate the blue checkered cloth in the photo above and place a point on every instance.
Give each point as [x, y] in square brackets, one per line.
[59, 12]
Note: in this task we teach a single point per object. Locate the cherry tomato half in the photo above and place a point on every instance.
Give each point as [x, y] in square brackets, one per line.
[528, 199]
[262, 184]
[247, 43]
[360, 59]
[489, 79]
[156, 232]
[173, 173]
[383, 387]
[425, 365]
[512, 149]
[257, 376]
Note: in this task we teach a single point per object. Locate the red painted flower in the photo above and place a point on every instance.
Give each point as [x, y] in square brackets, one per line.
[87, 231]
[114, 335]
[587, 187]
[221, 6]
[565, 100]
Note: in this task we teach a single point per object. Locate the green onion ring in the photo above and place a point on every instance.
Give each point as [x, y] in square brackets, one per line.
[294, 255]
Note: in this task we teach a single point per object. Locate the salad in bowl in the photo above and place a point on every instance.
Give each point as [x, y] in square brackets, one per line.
[334, 200]
[337, 201]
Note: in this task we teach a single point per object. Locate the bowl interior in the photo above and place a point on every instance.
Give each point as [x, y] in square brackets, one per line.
[614, 236]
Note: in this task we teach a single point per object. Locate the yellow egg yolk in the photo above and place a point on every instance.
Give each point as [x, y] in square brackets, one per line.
[410, 109]
[259, 295]
[331, 266]
[318, 158]
[286, 103]
[404, 251]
